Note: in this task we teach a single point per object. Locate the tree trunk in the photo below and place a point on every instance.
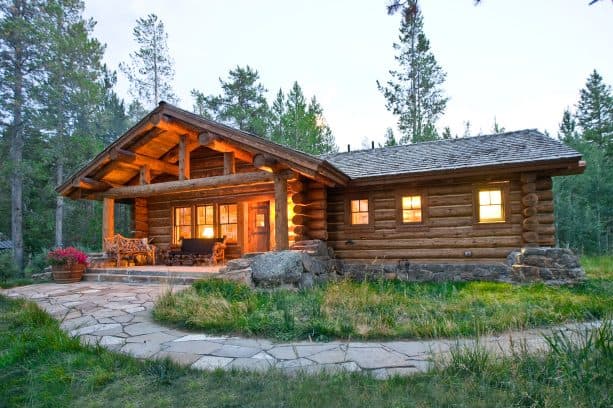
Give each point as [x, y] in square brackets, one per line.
[15, 132]
[59, 206]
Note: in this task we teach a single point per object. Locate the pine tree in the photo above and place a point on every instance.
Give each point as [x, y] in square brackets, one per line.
[390, 139]
[136, 111]
[277, 114]
[414, 90]
[447, 133]
[151, 69]
[595, 112]
[241, 104]
[21, 52]
[567, 131]
[72, 92]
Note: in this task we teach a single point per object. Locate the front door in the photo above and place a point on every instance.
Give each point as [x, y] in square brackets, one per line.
[258, 231]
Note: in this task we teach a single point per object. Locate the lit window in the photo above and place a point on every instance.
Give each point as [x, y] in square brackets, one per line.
[359, 212]
[183, 224]
[491, 208]
[228, 222]
[205, 224]
[411, 209]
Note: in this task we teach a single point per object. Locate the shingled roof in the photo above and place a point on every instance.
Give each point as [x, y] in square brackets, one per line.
[523, 146]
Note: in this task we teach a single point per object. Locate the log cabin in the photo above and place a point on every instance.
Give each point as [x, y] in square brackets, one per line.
[468, 200]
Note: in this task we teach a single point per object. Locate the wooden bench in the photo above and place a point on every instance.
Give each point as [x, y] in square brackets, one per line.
[195, 251]
[120, 247]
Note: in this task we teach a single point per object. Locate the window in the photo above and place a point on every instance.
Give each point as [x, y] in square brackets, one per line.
[182, 223]
[359, 212]
[411, 209]
[228, 222]
[205, 224]
[490, 203]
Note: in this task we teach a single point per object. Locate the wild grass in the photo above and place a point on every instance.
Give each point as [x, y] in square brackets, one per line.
[388, 309]
[40, 366]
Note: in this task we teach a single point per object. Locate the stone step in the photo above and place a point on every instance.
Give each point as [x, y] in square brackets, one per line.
[146, 272]
[142, 279]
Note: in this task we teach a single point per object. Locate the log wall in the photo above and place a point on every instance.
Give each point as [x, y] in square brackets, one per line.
[449, 233]
[204, 163]
[309, 210]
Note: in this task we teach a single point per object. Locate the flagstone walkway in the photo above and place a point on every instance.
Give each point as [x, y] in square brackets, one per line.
[118, 317]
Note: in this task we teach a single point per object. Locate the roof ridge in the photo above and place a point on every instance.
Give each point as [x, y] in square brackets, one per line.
[439, 141]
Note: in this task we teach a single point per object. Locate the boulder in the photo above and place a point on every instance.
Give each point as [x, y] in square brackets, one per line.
[273, 269]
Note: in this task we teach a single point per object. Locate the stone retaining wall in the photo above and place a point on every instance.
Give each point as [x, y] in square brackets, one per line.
[311, 262]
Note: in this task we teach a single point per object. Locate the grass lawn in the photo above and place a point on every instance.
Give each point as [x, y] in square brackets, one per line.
[388, 309]
[40, 366]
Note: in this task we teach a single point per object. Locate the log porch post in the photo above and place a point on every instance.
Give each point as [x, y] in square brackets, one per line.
[108, 218]
[281, 225]
[184, 156]
[529, 201]
[229, 165]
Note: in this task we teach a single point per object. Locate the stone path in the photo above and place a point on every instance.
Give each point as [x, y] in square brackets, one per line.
[118, 317]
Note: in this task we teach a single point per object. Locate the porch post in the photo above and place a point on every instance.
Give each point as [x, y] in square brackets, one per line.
[184, 159]
[108, 219]
[281, 232]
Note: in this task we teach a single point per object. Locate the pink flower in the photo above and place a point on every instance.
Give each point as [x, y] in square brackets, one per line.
[67, 256]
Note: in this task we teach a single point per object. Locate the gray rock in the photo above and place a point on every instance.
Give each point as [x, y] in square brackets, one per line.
[306, 281]
[314, 265]
[273, 269]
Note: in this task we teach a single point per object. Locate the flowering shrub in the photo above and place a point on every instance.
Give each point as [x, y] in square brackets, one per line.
[67, 256]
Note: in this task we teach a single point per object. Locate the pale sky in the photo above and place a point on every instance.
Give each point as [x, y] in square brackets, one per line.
[520, 61]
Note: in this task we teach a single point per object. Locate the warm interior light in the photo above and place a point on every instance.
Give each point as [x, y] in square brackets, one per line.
[490, 206]
[208, 232]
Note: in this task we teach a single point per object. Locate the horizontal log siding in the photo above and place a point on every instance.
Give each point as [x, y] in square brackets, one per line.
[447, 234]
[204, 163]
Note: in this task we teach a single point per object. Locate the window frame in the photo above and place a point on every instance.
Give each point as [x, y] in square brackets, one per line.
[504, 187]
[410, 192]
[218, 219]
[194, 220]
[371, 212]
[174, 239]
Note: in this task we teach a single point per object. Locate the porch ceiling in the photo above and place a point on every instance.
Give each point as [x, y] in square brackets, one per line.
[152, 149]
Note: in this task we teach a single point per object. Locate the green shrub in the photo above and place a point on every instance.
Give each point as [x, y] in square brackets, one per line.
[8, 268]
[38, 262]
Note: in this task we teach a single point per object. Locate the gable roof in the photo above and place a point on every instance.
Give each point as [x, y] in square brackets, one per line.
[154, 141]
[156, 135]
[511, 148]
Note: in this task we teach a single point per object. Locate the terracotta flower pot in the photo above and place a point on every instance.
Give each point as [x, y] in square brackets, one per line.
[68, 274]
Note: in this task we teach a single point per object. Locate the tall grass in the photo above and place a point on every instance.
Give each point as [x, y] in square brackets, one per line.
[383, 309]
[40, 366]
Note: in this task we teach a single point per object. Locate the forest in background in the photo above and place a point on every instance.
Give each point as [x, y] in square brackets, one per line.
[59, 108]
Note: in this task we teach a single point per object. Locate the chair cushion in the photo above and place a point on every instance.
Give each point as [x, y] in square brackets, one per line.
[201, 246]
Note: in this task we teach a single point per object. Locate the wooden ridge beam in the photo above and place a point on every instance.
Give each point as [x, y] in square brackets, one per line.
[197, 184]
[139, 160]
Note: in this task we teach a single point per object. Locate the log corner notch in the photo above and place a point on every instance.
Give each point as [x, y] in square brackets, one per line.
[529, 202]
[267, 164]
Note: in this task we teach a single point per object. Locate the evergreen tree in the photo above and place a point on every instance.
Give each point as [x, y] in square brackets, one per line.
[584, 203]
[151, 69]
[21, 51]
[567, 131]
[242, 103]
[304, 125]
[595, 112]
[497, 128]
[136, 111]
[414, 90]
[389, 139]
[72, 92]
[447, 133]
[277, 114]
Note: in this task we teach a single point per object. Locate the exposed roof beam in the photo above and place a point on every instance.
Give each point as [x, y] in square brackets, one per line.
[127, 156]
[196, 184]
[88, 183]
[217, 143]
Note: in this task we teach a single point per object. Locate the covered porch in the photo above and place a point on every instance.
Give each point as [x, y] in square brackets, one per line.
[188, 178]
